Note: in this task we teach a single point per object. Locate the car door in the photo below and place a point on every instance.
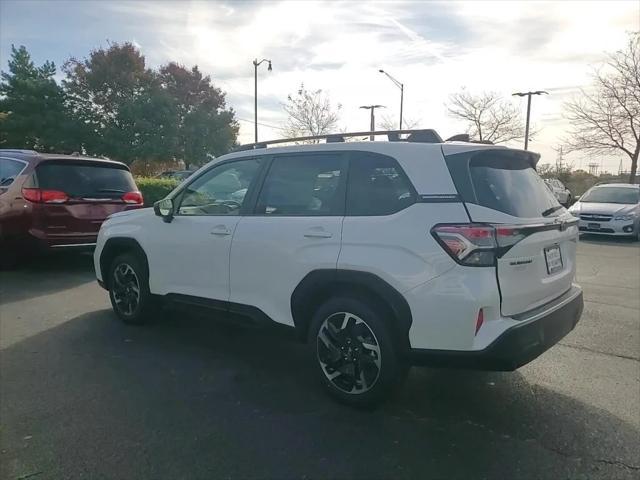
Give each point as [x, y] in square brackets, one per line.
[190, 255]
[295, 228]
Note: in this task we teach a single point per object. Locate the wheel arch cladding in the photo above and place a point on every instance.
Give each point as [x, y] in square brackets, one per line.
[117, 246]
[320, 285]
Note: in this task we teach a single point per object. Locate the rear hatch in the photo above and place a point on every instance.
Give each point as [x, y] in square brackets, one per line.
[535, 237]
[74, 197]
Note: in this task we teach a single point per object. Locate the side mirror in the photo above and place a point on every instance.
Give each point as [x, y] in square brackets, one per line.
[164, 208]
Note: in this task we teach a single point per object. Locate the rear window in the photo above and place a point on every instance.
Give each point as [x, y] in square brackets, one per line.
[503, 181]
[84, 179]
[622, 195]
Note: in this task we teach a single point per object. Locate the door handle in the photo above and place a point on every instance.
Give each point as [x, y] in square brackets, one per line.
[318, 232]
[220, 230]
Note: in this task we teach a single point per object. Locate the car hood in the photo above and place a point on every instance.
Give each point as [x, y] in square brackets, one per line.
[604, 208]
[127, 215]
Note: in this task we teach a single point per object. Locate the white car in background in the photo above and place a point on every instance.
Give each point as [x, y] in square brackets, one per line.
[609, 209]
[562, 193]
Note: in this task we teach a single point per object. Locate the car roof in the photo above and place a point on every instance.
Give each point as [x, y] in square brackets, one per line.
[34, 157]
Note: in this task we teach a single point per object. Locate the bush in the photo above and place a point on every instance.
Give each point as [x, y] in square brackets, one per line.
[154, 189]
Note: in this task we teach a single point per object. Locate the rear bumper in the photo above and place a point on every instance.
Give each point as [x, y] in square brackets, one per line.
[517, 346]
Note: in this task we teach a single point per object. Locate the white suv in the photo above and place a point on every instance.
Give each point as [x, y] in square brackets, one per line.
[380, 254]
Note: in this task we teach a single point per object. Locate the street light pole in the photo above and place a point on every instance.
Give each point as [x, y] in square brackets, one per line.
[373, 117]
[400, 85]
[256, 64]
[528, 95]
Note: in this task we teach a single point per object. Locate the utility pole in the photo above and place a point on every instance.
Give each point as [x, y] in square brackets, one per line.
[528, 95]
[373, 117]
[256, 64]
[400, 85]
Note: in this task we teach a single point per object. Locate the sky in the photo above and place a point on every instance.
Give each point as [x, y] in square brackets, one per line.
[434, 48]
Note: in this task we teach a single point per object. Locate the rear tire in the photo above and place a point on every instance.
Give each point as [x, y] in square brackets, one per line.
[353, 351]
[129, 293]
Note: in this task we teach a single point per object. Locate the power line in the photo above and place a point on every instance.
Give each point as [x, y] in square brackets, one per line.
[259, 123]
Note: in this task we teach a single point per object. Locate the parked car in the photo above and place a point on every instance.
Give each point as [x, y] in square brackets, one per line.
[179, 175]
[562, 193]
[380, 254]
[50, 201]
[610, 209]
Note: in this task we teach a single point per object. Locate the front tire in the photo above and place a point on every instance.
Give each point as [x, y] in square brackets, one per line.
[353, 351]
[129, 293]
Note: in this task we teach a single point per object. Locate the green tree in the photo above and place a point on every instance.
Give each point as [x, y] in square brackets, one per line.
[33, 114]
[121, 104]
[204, 125]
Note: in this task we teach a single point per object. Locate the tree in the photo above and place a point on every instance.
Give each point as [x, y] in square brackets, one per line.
[488, 117]
[32, 107]
[607, 119]
[204, 125]
[124, 112]
[389, 123]
[310, 113]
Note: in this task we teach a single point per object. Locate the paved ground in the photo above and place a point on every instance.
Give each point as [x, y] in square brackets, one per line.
[83, 396]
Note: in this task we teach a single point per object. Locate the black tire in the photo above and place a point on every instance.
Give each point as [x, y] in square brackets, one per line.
[130, 268]
[391, 371]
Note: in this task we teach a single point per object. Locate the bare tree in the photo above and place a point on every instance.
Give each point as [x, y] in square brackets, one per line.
[607, 118]
[389, 123]
[310, 113]
[489, 117]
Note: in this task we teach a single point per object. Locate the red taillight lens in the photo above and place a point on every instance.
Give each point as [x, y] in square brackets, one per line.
[133, 198]
[479, 320]
[37, 195]
[468, 244]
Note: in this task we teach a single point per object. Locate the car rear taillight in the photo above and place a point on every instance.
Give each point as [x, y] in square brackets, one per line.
[468, 244]
[477, 245]
[133, 198]
[37, 195]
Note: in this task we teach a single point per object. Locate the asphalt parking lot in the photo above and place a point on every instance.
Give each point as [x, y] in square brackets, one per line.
[84, 396]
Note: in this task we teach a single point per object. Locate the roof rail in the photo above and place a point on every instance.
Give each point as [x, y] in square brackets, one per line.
[418, 136]
[465, 137]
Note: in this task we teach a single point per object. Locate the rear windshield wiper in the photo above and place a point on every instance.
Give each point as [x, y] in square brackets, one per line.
[549, 211]
[111, 190]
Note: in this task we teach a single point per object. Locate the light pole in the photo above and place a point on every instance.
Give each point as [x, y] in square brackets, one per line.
[373, 117]
[401, 87]
[528, 95]
[256, 64]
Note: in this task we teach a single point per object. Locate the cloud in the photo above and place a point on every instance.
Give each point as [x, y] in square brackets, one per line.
[434, 48]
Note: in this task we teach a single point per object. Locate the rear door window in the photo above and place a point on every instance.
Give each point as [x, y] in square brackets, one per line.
[377, 186]
[309, 185]
[85, 179]
[502, 181]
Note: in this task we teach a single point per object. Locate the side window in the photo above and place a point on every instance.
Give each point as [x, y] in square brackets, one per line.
[9, 170]
[220, 191]
[377, 186]
[304, 185]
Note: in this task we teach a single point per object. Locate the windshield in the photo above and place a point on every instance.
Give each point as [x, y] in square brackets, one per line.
[612, 195]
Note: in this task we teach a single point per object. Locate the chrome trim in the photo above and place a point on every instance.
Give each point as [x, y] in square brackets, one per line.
[72, 245]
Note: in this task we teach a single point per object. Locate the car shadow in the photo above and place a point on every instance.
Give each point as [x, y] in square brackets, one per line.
[607, 240]
[188, 397]
[46, 274]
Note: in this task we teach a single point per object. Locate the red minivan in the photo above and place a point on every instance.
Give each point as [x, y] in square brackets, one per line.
[50, 201]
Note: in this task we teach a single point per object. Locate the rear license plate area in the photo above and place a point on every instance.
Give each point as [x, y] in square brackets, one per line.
[553, 258]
